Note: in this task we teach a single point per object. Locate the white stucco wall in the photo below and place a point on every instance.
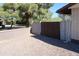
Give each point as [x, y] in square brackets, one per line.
[36, 28]
[65, 30]
[75, 24]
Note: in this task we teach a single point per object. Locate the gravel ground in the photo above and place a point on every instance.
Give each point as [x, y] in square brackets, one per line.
[19, 42]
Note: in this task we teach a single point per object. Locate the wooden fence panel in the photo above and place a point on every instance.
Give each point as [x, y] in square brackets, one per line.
[51, 29]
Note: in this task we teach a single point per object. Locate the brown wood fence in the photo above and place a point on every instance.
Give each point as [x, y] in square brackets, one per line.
[51, 29]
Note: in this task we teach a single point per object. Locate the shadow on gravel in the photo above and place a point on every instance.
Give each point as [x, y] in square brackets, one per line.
[69, 46]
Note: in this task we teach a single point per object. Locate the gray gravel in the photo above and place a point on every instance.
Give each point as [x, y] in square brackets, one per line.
[19, 42]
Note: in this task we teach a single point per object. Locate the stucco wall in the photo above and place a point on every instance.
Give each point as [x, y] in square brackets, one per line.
[65, 28]
[75, 24]
[36, 28]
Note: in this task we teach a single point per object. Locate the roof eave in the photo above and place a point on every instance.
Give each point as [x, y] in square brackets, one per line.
[65, 10]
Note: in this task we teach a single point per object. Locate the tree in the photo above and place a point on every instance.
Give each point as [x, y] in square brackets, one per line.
[26, 12]
[35, 11]
[43, 12]
[10, 10]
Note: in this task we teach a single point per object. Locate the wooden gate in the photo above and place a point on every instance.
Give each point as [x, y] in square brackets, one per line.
[51, 29]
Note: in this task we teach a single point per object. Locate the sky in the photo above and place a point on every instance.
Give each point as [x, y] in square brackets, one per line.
[55, 7]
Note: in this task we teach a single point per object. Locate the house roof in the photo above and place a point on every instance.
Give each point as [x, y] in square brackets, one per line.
[65, 10]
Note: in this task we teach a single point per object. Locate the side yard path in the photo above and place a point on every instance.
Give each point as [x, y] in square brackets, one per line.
[21, 42]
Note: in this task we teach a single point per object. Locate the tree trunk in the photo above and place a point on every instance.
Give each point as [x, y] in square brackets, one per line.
[11, 24]
[27, 22]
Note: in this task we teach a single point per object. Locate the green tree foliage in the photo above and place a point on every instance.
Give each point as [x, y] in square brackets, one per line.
[12, 6]
[26, 11]
[34, 11]
[8, 13]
